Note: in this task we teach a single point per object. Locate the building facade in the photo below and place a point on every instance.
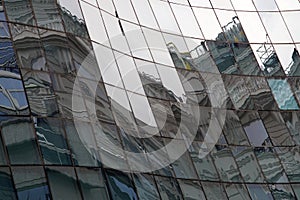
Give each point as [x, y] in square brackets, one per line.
[149, 99]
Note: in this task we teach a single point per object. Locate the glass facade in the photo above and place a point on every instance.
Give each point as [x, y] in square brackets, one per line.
[149, 99]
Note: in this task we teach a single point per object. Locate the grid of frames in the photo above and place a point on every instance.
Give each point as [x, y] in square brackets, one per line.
[153, 58]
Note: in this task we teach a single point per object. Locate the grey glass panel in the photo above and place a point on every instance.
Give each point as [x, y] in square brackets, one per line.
[47, 15]
[290, 162]
[248, 165]
[237, 192]
[259, 192]
[92, 184]
[276, 128]
[19, 137]
[158, 160]
[270, 165]
[145, 186]
[41, 97]
[84, 58]
[233, 129]
[72, 17]
[214, 191]
[121, 186]
[195, 88]
[28, 47]
[225, 164]
[164, 117]
[282, 192]
[261, 94]
[6, 185]
[238, 92]
[296, 188]
[19, 11]
[57, 54]
[31, 183]
[64, 101]
[204, 165]
[223, 55]
[52, 141]
[121, 109]
[292, 121]
[183, 166]
[254, 128]
[110, 145]
[82, 143]
[191, 190]
[168, 188]
[63, 183]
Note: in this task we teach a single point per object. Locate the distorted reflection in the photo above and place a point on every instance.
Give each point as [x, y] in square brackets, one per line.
[12, 95]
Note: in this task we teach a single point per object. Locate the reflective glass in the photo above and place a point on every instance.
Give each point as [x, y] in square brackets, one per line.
[21, 145]
[62, 182]
[31, 183]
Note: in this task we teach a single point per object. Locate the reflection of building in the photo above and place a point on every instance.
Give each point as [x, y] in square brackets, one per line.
[51, 149]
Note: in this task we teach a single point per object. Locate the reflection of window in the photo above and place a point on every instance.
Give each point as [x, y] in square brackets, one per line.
[12, 95]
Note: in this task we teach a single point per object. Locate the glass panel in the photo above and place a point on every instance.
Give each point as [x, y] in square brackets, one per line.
[82, 143]
[276, 128]
[40, 94]
[31, 183]
[182, 14]
[21, 145]
[63, 183]
[259, 192]
[52, 141]
[6, 186]
[238, 92]
[254, 128]
[45, 10]
[290, 162]
[168, 188]
[210, 28]
[120, 186]
[233, 130]
[92, 184]
[191, 190]
[57, 54]
[10, 82]
[109, 145]
[94, 22]
[144, 14]
[28, 47]
[268, 160]
[204, 165]
[292, 121]
[164, 16]
[236, 192]
[214, 191]
[145, 186]
[125, 10]
[225, 164]
[72, 17]
[282, 191]
[284, 98]
[19, 11]
[248, 164]
[261, 94]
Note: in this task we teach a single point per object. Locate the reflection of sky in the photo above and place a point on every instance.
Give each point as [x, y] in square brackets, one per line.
[71, 6]
[124, 188]
[256, 133]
